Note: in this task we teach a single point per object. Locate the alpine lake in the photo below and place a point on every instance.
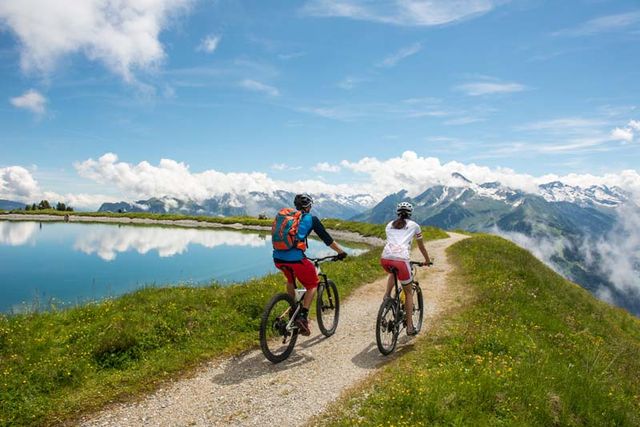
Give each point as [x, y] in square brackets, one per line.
[46, 264]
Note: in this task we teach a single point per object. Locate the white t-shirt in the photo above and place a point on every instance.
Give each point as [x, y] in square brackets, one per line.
[399, 241]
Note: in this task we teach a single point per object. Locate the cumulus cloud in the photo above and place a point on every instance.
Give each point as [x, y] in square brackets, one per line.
[402, 12]
[326, 167]
[17, 183]
[405, 52]
[257, 86]
[31, 100]
[489, 88]
[175, 179]
[121, 34]
[209, 44]
[628, 133]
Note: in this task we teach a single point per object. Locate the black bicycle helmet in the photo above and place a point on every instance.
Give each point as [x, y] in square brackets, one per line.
[302, 201]
[404, 207]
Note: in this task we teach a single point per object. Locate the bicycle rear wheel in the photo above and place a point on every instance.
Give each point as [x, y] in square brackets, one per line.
[328, 308]
[418, 307]
[276, 341]
[387, 326]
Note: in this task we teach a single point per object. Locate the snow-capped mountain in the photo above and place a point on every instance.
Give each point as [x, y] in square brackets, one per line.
[562, 224]
[252, 204]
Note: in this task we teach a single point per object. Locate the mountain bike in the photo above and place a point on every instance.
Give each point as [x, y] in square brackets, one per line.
[392, 314]
[278, 331]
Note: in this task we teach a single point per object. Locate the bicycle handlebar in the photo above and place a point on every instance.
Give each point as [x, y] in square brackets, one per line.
[327, 258]
[421, 263]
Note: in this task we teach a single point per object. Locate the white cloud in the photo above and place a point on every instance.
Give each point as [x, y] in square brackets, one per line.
[405, 52]
[31, 100]
[563, 124]
[349, 82]
[603, 24]
[414, 174]
[209, 44]
[620, 134]
[174, 179]
[326, 167]
[17, 183]
[285, 167]
[256, 86]
[121, 34]
[489, 88]
[628, 133]
[402, 12]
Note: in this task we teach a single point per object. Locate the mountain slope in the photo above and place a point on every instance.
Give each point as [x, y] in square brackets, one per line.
[563, 225]
[8, 205]
[527, 348]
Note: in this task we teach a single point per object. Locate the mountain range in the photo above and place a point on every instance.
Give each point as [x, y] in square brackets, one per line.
[251, 204]
[568, 227]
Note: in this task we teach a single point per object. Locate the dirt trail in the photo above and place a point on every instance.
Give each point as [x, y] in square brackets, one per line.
[248, 390]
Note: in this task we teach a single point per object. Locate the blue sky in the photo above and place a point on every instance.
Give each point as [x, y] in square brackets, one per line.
[300, 94]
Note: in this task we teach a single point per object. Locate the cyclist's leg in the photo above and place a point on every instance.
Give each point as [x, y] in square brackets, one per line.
[390, 280]
[291, 280]
[306, 274]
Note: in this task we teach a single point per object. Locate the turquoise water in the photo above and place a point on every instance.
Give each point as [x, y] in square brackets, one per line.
[69, 263]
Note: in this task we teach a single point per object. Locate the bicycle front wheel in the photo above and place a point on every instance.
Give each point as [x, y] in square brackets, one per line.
[276, 341]
[418, 307]
[387, 326]
[328, 308]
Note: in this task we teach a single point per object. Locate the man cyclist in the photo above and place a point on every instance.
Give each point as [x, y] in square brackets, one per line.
[295, 265]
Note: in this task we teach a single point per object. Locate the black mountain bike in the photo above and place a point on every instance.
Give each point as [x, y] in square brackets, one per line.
[392, 314]
[278, 331]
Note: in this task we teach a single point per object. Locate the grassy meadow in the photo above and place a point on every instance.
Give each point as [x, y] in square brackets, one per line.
[56, 365]
[527, 348]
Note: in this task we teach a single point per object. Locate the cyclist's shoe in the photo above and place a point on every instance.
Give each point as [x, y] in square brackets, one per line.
[303, 326]
[411, 332]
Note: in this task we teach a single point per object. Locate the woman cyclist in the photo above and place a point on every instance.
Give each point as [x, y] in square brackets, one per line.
[397, 253]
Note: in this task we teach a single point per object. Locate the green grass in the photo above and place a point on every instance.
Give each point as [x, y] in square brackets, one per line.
[59, 364]
[526, 348]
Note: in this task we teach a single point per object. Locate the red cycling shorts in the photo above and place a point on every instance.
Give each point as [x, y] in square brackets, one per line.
[304, 271]
[402, 268]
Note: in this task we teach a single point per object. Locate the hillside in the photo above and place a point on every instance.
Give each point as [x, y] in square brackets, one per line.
[528, 348]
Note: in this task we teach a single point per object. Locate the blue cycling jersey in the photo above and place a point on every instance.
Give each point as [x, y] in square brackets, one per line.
[308, 223]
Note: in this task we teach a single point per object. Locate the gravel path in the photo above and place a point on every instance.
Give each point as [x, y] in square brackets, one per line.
[248, 390]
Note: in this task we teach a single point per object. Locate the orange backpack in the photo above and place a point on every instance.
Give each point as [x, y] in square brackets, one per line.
[285, 228]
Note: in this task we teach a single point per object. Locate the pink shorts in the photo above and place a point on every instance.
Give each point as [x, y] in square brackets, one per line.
[402, 268]
[304, 271]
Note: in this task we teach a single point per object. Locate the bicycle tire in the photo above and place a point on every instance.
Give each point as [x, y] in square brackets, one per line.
[387, 329]
[272, 329]
[328, 308]
[418, 307]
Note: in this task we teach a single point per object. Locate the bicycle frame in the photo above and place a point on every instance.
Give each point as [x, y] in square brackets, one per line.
[300, 292]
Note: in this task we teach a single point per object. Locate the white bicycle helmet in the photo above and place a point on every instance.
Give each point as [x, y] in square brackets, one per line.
[404, 207]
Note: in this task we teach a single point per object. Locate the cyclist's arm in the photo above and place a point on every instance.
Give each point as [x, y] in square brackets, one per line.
[421, 246]
[318, 227]
[423, 249]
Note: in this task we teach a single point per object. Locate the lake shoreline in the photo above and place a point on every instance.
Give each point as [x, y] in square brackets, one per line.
[185, 223]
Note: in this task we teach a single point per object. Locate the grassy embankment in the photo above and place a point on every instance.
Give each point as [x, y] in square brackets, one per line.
[362, 228]
[528, 348]
[59, 364]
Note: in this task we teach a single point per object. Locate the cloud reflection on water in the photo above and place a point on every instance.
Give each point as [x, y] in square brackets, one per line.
[16, 233]
[107, 243]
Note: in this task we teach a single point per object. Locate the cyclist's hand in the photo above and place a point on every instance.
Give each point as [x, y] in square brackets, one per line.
[341, 256]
